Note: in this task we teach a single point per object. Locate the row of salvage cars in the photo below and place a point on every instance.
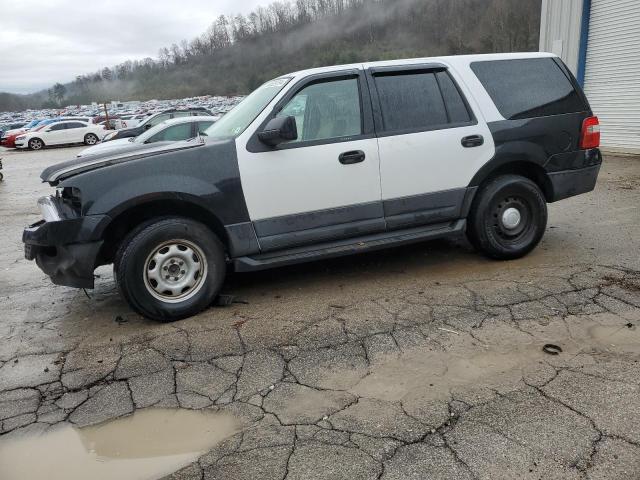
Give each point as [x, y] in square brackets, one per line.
[163, 127]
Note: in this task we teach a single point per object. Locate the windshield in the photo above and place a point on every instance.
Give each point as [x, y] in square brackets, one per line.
[240, 117]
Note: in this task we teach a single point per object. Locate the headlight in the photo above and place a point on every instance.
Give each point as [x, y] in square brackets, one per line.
[48, 209]
[21, 137]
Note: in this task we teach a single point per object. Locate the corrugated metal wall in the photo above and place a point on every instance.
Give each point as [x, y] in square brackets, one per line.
[612, 74]
[560, 30]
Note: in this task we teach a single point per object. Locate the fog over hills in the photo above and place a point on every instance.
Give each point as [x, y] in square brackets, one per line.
[238, 53]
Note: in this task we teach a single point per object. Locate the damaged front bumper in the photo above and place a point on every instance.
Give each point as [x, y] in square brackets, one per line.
[66, 249]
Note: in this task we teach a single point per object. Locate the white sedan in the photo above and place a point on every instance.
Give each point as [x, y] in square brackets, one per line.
[172, 130]
[61, 133]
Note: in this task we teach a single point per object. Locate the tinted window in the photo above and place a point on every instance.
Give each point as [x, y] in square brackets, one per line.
[156, 120]
[410, 101]
[527, 88]
[57, 126]
[456, 108]
[181, 114]
[74, 125]
[202, 126]
[326, 110]
[173, 133]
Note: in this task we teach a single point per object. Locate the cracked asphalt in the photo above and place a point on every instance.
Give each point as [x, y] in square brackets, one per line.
[423, 362]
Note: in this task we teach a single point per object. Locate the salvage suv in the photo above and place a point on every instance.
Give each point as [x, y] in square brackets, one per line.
[323, 163]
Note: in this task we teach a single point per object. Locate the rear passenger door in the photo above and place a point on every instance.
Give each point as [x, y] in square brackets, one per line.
[75, 132]
[431, 143]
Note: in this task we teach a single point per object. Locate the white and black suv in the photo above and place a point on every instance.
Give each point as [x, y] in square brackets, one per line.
[322, 163]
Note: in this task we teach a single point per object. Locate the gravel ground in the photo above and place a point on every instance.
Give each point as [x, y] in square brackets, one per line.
[413, 363]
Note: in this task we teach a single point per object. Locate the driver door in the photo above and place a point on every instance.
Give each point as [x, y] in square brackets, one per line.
[325, 185]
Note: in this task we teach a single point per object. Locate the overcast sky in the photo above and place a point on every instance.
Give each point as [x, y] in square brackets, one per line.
[48, 41]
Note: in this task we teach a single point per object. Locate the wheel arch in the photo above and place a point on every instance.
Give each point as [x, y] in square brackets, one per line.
[134, 215]
[526, 168]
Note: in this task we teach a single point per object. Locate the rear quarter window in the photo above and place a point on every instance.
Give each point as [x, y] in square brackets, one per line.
[528, 88]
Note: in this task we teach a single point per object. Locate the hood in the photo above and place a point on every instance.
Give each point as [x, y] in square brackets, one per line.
[62, 171]
[119, 144]
[15, 132]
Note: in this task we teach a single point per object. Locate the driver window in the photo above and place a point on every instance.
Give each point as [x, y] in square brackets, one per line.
[326, 110]
[174, 133]
[159, 119]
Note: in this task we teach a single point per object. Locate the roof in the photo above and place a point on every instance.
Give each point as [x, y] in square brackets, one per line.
[447, 60]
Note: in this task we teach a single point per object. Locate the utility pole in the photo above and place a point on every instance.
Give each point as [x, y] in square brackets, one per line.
[106, 114]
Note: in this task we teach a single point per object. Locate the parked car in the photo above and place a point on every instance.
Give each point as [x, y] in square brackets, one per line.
[154, 120]
[171, 130]
[60, 133]
[7, 136]
[322, 163]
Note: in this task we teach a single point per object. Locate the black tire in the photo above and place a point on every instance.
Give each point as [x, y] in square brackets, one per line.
[135, 256]
[491, 221]
[91, 139]
[36, 144]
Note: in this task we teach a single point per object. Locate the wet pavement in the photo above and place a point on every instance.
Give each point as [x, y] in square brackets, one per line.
[418, 362]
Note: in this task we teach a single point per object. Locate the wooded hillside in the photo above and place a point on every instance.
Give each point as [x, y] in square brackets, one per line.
[237, 53]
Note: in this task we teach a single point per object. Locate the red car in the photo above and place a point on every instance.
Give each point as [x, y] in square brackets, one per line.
[9, 141]
[9, 138]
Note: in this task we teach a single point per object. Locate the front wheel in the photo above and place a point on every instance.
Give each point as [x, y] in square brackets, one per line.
[170, 269]
[508, 217]
[36, 144]
[90, 139]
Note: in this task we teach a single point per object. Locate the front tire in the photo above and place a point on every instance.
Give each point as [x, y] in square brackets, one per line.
[90, 139]
[170, 269]
[36, 144]
[508, 217]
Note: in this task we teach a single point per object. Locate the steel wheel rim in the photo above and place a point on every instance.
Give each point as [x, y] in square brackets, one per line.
[36, 144]
[504, 210]
[175, 271]
[91, 140]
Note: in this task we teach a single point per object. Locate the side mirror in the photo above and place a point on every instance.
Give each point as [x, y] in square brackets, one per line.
[279, 130]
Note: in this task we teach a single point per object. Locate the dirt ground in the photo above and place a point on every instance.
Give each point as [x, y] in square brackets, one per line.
[422, 362]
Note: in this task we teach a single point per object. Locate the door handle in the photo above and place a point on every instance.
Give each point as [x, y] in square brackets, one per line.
[472, 141]
[349, 158]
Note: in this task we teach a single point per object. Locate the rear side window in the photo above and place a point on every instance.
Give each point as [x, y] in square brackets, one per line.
[415, 101]
[410, 101]
[456, 107]
[527, 88]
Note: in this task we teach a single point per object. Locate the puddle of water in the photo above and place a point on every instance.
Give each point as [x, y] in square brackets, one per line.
[433, 374]
[146, 445]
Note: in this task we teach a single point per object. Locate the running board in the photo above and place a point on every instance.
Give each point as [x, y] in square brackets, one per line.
[347, 247]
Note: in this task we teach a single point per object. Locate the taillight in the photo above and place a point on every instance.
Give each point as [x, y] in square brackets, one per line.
[590, 136]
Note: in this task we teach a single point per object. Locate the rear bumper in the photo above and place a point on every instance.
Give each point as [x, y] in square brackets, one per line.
[66, 250]
[569, 183]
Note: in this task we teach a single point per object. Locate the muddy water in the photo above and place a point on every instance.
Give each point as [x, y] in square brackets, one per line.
[466, 363]
[144, 446]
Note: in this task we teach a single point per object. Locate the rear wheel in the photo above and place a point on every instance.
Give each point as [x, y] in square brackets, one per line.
[170, 269]
[508, 217]
[36, 144]
[90, 139]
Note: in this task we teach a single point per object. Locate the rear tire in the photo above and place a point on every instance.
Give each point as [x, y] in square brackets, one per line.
[90, 139]
[36, 144]
[508, 217]
[170, 269]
